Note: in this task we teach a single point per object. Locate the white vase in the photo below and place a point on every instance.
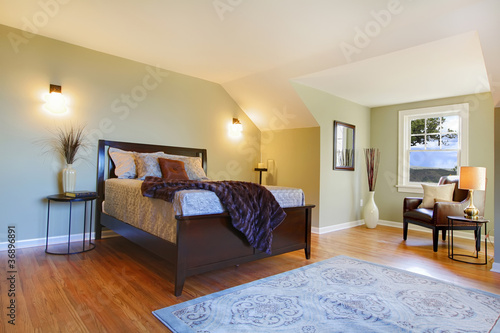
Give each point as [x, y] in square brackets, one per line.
[370, 211]
[69, 178]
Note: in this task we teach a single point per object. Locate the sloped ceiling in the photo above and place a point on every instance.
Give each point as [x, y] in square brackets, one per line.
[373, 52]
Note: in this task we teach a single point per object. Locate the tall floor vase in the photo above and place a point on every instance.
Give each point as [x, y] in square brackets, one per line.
[69, 178]
[370, 211]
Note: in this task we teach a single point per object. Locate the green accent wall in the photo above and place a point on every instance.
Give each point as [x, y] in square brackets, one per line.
[384, 135]
[341, 191]
[117, 99]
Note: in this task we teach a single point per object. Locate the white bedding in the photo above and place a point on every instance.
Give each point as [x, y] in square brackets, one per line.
[125, 202]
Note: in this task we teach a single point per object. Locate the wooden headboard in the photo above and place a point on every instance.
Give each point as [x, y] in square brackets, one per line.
[106, 168]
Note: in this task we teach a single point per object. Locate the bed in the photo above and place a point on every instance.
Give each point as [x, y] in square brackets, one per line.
[201, 242]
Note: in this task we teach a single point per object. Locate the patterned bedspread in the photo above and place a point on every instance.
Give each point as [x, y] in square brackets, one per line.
[253, 209]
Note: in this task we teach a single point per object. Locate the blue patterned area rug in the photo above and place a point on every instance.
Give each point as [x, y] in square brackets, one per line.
[340, 294]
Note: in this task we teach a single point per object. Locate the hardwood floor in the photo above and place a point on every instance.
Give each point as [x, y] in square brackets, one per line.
[115, 287]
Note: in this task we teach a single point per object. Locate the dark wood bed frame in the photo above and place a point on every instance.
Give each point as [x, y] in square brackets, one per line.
[204, 242]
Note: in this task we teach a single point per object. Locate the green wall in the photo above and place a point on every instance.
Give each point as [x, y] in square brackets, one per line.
[341, 191]
[117, 99]
[384, 135]
[496, 265]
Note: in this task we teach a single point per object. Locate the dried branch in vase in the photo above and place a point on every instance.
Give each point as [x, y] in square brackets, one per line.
[67, 141]
[372, 158]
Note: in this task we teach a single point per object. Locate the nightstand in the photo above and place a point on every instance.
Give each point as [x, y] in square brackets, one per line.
[86, 244]
[260, 170]
[479, 223]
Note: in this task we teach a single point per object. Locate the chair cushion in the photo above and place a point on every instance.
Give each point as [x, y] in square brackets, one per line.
[423, 215]
[439, 192]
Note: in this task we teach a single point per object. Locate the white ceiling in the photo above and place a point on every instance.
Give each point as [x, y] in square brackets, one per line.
[414, 50]
[448, 67]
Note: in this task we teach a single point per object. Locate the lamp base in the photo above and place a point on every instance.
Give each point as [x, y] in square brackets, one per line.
[471, 213]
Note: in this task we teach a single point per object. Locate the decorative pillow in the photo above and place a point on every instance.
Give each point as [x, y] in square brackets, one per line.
[192, 165]
[171, 169]
[433, 193]
[441, 200]
[147, 165]
[124, 163]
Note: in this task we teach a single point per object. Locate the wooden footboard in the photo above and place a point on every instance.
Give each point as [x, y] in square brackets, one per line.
[204, 242]
[209, 242]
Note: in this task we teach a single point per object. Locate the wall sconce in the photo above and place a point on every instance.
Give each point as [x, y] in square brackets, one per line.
[55, 101]
[235, 128]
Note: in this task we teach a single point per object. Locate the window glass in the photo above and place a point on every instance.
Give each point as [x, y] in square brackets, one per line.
[433, 143]
[429, 166]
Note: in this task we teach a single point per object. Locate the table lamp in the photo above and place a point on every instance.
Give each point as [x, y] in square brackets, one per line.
[472, 178]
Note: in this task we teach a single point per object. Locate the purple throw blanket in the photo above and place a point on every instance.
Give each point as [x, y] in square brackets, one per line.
[253, 209]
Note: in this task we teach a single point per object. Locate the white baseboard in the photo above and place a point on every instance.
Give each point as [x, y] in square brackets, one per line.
[495, 267]
[336, 227]
[347, 225]
[4, 246]
[324, 230]
[460, 234]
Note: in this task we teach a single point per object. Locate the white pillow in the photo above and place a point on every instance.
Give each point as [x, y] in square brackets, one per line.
[124, 163]
[433, 193]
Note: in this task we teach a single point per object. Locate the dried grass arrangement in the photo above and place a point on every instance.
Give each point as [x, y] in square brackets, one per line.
[69, 141]
[372, 158]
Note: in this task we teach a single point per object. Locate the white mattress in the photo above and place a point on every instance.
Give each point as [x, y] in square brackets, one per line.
[125, 202]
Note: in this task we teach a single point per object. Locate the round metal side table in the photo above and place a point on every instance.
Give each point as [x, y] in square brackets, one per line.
[87, 244]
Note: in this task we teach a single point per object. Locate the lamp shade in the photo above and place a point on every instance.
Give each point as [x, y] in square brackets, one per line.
[472, 178]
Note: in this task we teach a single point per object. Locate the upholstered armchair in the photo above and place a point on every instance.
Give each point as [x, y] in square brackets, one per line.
[436, 217]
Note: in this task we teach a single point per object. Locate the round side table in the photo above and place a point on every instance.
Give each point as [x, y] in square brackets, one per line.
[87, 244]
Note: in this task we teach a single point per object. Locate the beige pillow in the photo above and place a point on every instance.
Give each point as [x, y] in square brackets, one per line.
[124, 163]
[441, 200]
[433, 193]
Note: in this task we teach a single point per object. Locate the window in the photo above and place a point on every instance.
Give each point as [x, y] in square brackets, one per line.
[432, 143]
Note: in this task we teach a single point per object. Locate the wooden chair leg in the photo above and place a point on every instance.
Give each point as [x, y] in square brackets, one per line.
[405, 230]
[444, 234]
[435, 236]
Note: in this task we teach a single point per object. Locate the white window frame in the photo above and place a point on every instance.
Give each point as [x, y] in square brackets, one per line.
[405, 117]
